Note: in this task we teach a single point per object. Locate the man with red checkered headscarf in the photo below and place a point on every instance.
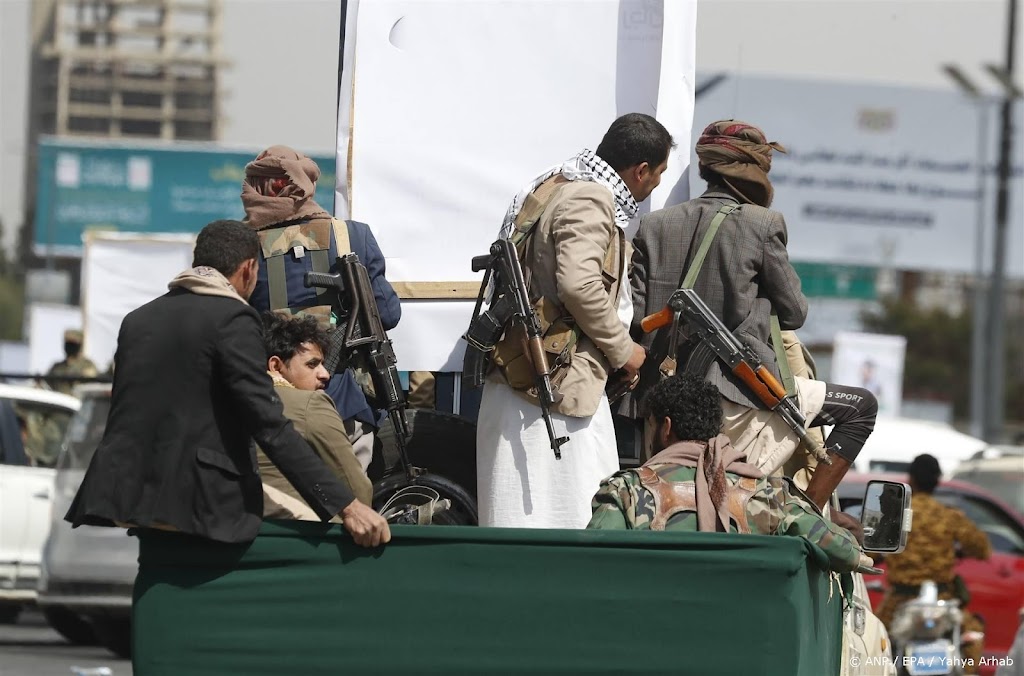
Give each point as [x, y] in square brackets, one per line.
[745, 278]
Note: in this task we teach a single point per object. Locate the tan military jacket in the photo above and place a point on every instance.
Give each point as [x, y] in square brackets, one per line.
[73, 366]
[317, 421]
[571, 242]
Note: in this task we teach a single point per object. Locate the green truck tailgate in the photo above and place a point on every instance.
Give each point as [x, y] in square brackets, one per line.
[303, 599]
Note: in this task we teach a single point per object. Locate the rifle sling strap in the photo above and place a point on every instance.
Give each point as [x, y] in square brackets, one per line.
[705, 245]
[341, 239]
[533, 207]
[277, 283]
[788, 381]
[690, 278]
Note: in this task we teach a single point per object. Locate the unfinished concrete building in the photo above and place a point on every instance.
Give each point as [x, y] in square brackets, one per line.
[126, 68]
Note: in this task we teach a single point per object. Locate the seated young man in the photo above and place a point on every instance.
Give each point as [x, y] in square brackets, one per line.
[698, 481]
[295, 354]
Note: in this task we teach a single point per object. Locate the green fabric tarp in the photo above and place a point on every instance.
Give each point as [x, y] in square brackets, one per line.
[304, 599]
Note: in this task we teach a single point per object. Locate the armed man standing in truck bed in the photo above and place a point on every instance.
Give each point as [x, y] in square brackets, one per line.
[746, 280]
[570, 221]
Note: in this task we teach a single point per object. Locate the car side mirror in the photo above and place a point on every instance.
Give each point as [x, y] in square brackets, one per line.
[886, 516]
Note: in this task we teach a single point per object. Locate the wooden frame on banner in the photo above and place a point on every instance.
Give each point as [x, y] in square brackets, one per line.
[437, 290]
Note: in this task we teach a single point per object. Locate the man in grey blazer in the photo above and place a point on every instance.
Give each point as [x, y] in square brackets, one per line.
[745, 276]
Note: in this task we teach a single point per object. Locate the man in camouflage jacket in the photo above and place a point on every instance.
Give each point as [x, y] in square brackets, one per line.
[73, 364]
[707, 485]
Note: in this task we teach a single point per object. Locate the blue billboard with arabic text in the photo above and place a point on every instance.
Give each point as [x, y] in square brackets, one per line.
[149, 188]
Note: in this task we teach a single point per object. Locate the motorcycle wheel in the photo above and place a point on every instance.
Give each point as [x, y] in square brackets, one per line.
[461, 513]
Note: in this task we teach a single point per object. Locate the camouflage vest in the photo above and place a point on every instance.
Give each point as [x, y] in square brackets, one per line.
[673, 497]
[289, 251]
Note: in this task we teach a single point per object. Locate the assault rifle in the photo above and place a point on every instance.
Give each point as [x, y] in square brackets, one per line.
[363, 334]
[715, 341]
[510, 303]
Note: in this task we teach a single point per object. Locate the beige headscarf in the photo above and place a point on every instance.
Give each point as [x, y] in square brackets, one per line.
[205, 281]
[293, 201]
[712, 460]
[742, 155]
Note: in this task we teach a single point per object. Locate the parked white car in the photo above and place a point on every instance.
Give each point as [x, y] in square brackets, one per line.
[896, 441]
[32, 426]
[85, 586]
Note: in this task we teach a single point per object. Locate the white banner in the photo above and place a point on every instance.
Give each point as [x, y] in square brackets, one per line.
[874, 362]
[120, 272]
[452, 106]
[879, 175]
[46, 324]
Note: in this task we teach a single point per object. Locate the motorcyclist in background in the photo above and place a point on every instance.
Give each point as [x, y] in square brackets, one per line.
[931, 554]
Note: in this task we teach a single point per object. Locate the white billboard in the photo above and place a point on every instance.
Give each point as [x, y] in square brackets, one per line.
[877, 175]
[449, 107]
[120, 272]
[45, 327]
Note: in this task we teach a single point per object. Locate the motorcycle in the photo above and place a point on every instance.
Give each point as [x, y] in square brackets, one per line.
[926, 634]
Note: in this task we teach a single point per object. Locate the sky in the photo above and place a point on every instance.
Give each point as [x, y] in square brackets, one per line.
[281, 84]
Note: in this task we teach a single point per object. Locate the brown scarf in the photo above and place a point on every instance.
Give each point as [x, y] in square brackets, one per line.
[712, 460]
[292, 202]
[741, 154]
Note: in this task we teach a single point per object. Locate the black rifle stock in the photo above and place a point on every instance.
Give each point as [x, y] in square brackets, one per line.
[715, 340]
[510, 303]
[363, 333]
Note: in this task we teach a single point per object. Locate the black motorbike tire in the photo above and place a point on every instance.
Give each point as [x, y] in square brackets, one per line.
[68, 624]
[115, 634]
[461, 513]
[441, 443]
[9, 613]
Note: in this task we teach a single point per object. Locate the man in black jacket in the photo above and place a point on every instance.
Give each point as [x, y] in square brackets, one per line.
[190, 394]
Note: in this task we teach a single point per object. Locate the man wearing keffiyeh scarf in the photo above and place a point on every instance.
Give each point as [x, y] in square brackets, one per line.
[745, 279]
[576, 261]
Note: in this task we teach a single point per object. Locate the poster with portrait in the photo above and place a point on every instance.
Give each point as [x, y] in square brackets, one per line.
[874, 362]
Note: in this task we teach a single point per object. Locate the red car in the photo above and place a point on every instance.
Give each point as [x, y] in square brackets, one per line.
[996, 585]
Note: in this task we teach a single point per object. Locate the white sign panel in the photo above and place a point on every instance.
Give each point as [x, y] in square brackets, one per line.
[120, 272]
[47, 323]
[877, 175]
[14, 357]
[874, 362]
[450, 107]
